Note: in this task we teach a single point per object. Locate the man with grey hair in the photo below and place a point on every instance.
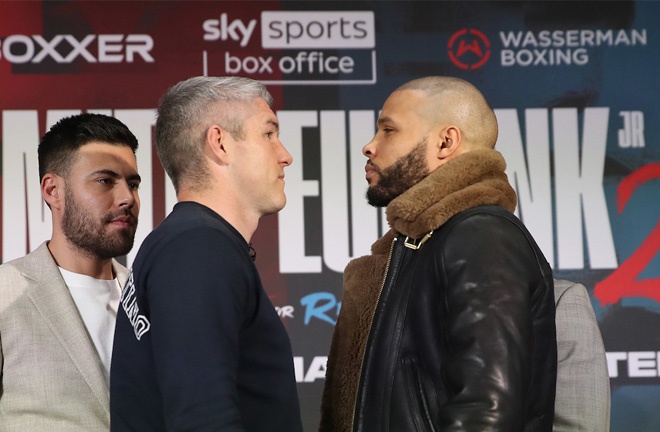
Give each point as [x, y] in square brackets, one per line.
[451, 319]
[198, 344]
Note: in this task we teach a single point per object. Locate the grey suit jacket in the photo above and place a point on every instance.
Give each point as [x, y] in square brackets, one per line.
[582, 401]
[52, 376]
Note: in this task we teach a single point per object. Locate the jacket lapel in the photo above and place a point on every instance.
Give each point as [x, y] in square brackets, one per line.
[121, 272]
[52, 299]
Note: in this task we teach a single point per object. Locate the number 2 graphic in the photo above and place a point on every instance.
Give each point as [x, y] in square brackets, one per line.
[623, 281]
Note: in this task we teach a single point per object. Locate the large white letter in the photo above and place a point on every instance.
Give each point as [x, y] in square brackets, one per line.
[26, 220]
[291, 219]
[529, 175]
[363, 216]
[140, 123]
[579, 189]
[334, 194]
[337, 250]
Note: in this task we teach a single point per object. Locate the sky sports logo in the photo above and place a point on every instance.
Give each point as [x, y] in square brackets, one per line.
[333, 30]
[312, 48]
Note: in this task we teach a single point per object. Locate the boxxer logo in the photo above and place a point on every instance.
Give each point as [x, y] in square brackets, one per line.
[63, 49]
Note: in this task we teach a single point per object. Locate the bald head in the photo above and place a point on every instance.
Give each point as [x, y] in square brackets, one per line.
[454, 101]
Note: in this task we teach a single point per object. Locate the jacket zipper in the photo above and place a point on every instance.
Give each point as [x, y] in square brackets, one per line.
[373, 315]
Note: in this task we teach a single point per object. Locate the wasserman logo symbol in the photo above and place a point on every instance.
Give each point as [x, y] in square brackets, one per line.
[468, 49]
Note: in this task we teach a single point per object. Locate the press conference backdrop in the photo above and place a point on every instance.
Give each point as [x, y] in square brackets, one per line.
[575, 87]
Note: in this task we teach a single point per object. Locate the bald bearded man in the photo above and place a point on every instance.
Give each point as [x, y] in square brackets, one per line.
[450, 323]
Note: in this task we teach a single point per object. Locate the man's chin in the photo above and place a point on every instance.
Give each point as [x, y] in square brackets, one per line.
[275, 206]
[123, 241]
[121, 250]
[376, 198]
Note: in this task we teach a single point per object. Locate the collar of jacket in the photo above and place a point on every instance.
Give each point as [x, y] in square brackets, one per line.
[471, 179]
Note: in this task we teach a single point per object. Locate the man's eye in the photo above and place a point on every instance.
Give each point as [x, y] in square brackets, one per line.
[134, 186]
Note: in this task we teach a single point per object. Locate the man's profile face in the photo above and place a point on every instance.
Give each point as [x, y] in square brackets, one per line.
[399, 152]
[101, 200]
[397, 178]
[260, 160]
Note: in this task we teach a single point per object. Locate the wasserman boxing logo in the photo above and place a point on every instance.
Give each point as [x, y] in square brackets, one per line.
[562, 47]
[471, 49]
[303, 41]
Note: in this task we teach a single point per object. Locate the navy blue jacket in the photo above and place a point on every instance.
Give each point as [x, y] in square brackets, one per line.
[198, 344]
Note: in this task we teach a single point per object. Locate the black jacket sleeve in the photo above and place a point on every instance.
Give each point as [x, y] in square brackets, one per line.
[498, 306]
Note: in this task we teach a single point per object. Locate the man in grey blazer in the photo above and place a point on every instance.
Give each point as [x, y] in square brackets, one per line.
[582, 401]
[58, 304]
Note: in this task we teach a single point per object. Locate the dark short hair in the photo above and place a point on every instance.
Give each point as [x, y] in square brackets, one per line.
[58, 146]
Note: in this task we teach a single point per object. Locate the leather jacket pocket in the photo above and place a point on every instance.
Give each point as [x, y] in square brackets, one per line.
[418, 396]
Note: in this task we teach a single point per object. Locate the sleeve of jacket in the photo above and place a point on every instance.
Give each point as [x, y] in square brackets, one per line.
[582, 400]
[496, 291]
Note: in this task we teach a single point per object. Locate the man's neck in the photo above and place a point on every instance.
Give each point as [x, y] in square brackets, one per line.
[245, 222]
[71, 258]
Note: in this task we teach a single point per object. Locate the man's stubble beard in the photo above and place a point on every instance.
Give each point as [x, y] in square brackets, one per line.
[403, 174]
[89, 235]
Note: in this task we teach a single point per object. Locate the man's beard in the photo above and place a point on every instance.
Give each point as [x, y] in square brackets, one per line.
[90, 235]
[394, 180]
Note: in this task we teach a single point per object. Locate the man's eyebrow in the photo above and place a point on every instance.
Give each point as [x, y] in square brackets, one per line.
[385, 119]
[134, 177]
[274, 123]
[113, 174]
[108, 172]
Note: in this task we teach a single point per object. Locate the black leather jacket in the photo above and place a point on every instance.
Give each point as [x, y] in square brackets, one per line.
[463, 338]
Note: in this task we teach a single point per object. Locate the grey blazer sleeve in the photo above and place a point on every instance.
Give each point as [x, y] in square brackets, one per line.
[582, 401]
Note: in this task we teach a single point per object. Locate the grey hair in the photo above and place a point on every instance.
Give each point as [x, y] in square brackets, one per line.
[186, 112]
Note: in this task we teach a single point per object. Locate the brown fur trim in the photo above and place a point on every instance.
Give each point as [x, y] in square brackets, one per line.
[469, 180]
[363, 280]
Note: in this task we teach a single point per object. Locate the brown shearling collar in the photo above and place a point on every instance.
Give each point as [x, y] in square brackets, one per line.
[471, 179]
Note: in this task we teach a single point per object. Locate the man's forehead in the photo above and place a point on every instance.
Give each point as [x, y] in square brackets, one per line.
[96, 146]
[404, 104]
[106, 153]
[405, 98]
[258, 107]
[262, 113]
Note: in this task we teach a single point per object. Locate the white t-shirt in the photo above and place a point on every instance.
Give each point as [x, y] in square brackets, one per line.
[97, 301]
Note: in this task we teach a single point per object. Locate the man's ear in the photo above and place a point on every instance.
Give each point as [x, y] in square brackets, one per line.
[52, 190]
[450, 142]
[217, 140]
